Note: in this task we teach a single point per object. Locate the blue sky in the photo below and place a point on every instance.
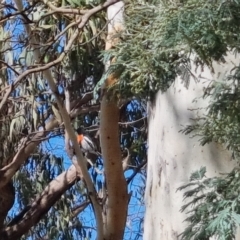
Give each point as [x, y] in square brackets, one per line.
[136, 206]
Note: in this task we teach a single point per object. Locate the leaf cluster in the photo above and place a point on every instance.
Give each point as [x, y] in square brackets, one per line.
[160, 37]
[156, 46]
[213, 206]
[221, 123]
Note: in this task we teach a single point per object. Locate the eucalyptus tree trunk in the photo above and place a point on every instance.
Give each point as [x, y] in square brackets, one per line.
[173, 156]
[114, 218]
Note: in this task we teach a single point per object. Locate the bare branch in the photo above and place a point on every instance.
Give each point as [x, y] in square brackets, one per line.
[22, 12]
[78, 209]
[8, 171]
[55, 38]
[5, 98]
[64, 10]
[79, 102]
[41, 205]
[10, 67]
[125, 161]
[136, 170]
[86, 109]
[132, 122]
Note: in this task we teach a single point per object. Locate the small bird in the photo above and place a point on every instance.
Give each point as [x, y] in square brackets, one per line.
[85, 142]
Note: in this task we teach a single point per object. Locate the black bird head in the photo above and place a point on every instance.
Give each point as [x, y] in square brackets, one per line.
[80, 130]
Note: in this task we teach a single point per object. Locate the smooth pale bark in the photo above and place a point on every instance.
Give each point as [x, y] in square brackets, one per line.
[117, 202]
[115, 209]
[173, 156]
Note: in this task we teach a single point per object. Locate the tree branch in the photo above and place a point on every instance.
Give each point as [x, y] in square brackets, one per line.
[41, 205]
[47, 66]
[7, 172]
[78, 209]
[136, 171]
[80, 159]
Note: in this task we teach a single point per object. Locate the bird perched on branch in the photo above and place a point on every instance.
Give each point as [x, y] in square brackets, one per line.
[85, 142]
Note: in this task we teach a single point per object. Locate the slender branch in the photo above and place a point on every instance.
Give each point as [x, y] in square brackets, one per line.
[9, 170]
[136, 171]
[125, 161]
[64, 10]
[10, 67]
[87, 109]
[78, 209]
[68, 109]
[22, 12]
[132, 122]
[95, 36]
[80, 158]
[86, 98]
[55, 38]
[5, 98]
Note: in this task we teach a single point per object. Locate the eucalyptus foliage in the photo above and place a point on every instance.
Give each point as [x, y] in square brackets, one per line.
[214, 209]
[217, 212]
[159, 38]
[155, 48]
[221, 123]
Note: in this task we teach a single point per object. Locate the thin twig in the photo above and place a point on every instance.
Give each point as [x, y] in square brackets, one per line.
[78, 209]
[65, 10]
[136, 171]
[5, 98]
[8, 66]
[132, 122]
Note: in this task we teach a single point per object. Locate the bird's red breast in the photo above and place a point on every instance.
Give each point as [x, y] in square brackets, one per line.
[80, 138]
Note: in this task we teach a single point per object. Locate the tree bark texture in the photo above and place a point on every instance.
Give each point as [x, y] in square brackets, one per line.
[173, 156]
[115, 209]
